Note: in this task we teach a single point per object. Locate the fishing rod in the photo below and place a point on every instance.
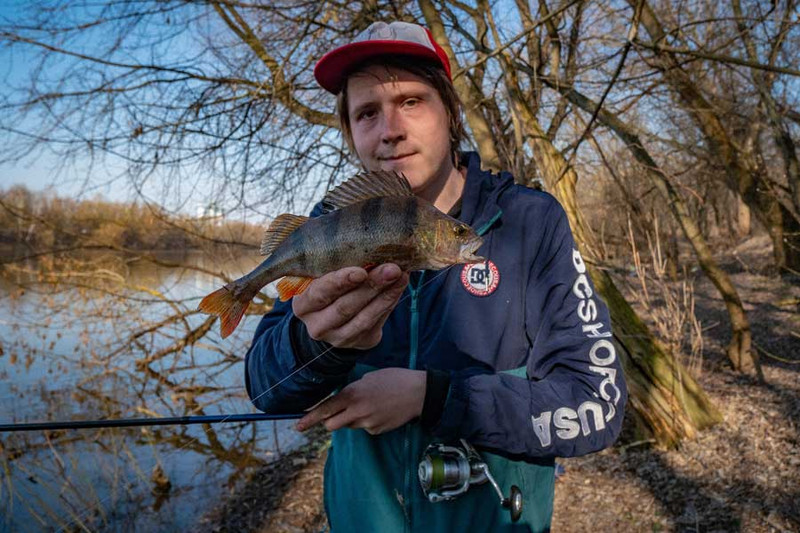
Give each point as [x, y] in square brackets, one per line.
[151, 421]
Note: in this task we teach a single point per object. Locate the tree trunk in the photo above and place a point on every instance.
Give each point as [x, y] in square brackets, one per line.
[740, 177]
[791, 236]
[742, 217]
[739, 350]
[668, 403]
[763, 83]
[469, 94]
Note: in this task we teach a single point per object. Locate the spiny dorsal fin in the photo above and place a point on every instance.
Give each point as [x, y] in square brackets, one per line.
[280, 228]
[368, 185]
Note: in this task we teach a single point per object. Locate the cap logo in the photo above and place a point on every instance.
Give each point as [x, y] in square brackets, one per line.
[480, 279]
[396, 31]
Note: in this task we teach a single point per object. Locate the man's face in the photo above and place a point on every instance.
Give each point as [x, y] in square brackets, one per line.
[400, 123]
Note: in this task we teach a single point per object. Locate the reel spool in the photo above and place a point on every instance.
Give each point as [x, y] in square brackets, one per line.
[447, 472]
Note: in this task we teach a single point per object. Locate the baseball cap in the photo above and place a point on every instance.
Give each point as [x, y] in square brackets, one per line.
[380, 38]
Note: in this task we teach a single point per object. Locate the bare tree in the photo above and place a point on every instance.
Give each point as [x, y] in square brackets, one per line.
[733, 154]
[218, 96]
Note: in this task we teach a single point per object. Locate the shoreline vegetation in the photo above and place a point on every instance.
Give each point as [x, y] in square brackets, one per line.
[41, 222]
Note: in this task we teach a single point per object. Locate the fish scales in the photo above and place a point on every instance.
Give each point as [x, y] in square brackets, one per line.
[377, 220]
[351, 235]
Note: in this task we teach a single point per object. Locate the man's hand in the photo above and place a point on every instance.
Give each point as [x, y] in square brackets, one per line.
[378, 402]
[347, 308]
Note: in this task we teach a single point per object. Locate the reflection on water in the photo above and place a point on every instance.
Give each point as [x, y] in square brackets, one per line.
[111, 337]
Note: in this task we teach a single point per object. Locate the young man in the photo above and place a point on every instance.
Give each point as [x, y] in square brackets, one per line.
[513, 355]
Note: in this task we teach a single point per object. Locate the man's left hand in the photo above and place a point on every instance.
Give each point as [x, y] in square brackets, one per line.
[378, 402]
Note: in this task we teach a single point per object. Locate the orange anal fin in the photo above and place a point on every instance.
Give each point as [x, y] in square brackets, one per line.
[292, 286]
[230, 310]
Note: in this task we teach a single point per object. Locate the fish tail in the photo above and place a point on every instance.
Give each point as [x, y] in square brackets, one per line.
[228, 307]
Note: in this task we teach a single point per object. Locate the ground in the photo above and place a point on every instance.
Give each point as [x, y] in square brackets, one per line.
[741, 475]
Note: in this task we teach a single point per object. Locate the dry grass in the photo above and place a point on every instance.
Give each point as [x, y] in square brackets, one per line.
[668, 305]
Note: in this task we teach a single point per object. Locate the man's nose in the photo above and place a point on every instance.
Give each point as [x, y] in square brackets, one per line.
[393, 127]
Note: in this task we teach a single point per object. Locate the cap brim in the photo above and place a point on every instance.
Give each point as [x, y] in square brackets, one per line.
[334, 66]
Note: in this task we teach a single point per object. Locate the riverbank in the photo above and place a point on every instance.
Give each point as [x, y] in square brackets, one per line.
[284, 496]
[741, 475]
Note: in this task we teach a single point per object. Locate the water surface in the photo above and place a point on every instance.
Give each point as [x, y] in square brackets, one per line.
[104, 336]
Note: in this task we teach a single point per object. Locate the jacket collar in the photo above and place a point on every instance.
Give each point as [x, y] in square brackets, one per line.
[482, 190]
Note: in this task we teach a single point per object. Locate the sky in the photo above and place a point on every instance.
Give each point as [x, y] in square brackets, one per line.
[44, 170]
[107, 176]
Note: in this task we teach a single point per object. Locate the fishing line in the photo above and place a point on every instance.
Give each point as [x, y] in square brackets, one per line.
[225, 418]
[331, 348]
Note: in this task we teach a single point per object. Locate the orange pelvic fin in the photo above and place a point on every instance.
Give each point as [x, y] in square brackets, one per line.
[229, 309]
[292, 286]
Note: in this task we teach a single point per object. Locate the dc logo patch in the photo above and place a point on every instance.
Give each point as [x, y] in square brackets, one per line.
[480, 279]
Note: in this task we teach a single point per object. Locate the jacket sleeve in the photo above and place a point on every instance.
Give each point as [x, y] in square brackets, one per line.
[573, 399]
[277, 380]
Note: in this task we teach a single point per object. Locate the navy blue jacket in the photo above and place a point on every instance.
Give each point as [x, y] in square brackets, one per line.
[534, 373]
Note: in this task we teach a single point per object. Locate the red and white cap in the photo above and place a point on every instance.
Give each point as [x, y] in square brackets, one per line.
[380, 38]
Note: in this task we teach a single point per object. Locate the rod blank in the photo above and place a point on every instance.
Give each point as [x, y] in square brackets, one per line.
[154, 421]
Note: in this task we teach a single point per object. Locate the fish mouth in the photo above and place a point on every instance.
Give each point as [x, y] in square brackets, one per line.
[468, 249]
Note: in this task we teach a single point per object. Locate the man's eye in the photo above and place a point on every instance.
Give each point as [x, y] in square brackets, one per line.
[367, 114]
[411, 102]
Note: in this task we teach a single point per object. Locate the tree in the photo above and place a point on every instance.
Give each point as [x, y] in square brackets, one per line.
[659, 386]
[742, 172]
[224, 99]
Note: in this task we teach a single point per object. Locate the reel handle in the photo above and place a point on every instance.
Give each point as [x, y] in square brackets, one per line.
[514, 503]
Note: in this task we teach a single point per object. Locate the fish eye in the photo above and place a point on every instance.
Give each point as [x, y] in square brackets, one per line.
[460, 231]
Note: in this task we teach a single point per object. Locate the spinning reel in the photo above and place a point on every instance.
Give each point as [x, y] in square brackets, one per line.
[446, 472]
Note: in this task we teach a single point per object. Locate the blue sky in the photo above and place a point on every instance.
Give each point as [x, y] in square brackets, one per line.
[43, 169]
[185, 185]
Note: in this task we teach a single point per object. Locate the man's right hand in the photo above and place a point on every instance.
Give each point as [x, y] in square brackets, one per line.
[347, 308]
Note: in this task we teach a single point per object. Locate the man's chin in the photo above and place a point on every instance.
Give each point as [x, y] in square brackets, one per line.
[394, 166]
[401, 166]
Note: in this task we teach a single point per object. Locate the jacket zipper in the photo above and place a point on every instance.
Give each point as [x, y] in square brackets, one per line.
[412, 364]
[413, 350]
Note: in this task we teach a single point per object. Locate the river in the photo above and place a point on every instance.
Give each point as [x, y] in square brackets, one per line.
[101, 336]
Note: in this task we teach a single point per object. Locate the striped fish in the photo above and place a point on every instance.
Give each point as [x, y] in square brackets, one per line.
[372, 219]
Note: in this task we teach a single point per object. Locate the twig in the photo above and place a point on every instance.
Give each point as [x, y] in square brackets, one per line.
[773, 356]
[632, 31]
[637, 443]
[718, 57]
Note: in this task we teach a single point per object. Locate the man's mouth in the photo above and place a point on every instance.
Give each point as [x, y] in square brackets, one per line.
[396, 157]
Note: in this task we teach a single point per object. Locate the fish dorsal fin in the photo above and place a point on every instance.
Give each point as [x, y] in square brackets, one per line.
[281, 227]
[368, 185]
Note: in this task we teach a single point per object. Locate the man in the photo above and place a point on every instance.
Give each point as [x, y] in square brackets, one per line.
[513, 355]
